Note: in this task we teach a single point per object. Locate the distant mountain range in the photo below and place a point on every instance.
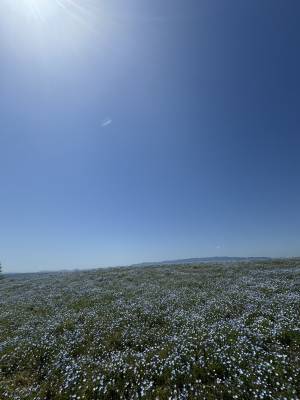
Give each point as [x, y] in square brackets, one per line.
[202, 260]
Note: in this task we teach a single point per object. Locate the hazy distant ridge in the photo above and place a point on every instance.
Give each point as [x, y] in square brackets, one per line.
[203, 260]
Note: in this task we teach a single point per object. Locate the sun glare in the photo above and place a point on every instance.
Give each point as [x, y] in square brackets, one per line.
[43, 10]
[53, 26]
[35, 9]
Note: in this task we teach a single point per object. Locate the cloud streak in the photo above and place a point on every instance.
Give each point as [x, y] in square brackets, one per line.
[106, 122]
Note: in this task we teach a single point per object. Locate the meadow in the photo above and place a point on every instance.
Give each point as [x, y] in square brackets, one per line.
[220, 331]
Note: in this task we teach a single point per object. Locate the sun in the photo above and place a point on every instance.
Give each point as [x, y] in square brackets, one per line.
[43, 10]
[52, 31]
[48, 14]
[36, 10]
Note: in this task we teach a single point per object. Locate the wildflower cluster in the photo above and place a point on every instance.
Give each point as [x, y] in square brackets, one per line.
[164, 332]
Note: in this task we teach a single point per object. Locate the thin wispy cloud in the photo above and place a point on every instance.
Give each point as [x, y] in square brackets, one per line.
[106, 122]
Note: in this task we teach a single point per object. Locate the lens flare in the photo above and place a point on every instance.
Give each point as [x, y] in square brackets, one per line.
[54, 27]
[42, 10]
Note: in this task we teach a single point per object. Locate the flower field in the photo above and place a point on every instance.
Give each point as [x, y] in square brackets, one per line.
[222, 331]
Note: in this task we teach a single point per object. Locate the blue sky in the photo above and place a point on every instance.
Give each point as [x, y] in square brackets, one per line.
[136, 131]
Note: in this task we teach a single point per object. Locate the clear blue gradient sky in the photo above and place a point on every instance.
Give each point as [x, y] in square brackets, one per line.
[146, 130]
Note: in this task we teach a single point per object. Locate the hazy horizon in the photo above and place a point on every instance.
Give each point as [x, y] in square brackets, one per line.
[38, 269]
[141, 131]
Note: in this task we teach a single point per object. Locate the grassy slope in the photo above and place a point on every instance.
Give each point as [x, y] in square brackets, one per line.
[172, 332]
